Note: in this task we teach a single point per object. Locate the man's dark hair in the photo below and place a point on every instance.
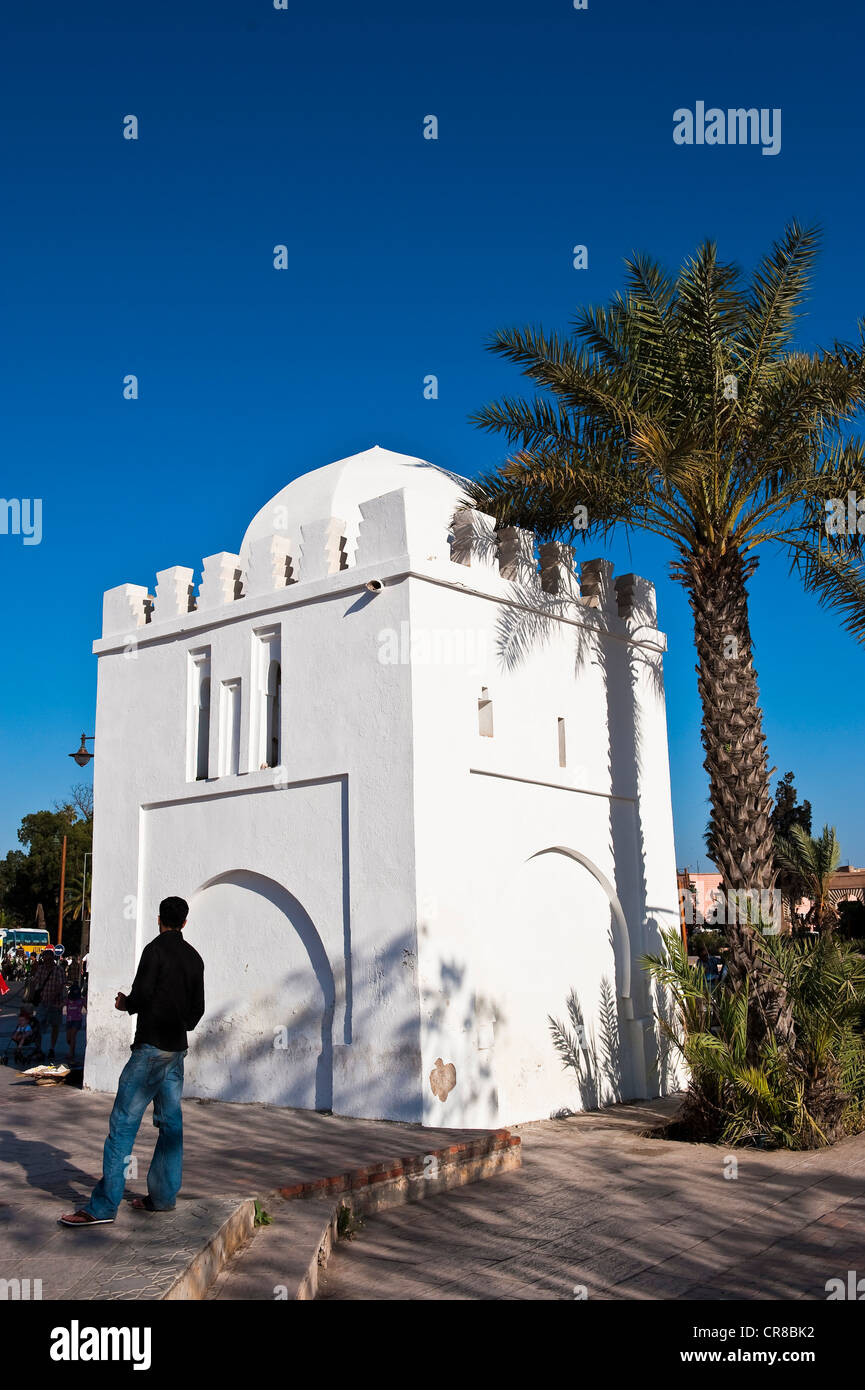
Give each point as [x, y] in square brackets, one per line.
[173, 912]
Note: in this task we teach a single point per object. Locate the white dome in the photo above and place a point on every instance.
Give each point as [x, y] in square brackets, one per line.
[338, 489]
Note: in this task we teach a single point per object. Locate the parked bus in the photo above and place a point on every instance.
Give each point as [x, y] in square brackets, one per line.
[31, 939]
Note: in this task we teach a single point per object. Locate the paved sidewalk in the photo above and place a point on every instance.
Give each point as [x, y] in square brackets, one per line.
[51, 1142]
[598, 1206]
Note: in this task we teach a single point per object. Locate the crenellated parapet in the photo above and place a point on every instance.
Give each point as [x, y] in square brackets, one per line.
[517, 555]
[270, 566]
[474, 541]
[510, 553]
[322, 548]
[175, 593]
[125, 609]
[558, 572]
[636, 597]
[221, 581]
[596, 585]
[397, 527]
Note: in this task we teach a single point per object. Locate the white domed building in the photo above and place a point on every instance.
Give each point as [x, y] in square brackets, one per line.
[411, 775]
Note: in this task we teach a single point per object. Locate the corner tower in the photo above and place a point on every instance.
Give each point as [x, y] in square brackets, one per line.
[411, 775]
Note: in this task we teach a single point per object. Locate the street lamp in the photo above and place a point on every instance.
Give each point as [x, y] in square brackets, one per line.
[81, 755]
[82, 758]
[85, 920]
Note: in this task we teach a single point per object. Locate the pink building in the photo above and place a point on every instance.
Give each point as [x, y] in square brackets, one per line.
[848, 885]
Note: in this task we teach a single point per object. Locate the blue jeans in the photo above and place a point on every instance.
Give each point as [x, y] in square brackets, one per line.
[149, 1075]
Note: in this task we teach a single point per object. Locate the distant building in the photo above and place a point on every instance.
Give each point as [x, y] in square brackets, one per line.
[847, 885]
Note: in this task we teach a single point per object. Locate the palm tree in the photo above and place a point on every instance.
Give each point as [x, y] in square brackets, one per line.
[77, 897]
[785, 814]
[812, 862]
[682, 409]
[77, 906]
[793, 1097]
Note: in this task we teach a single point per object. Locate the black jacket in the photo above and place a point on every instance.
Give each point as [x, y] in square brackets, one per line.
[167, 992]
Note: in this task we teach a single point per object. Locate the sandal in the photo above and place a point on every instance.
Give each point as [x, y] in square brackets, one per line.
[146, 1204]
[83, 1218]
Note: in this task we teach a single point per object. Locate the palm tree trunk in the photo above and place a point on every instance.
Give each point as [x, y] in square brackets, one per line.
[732, 731]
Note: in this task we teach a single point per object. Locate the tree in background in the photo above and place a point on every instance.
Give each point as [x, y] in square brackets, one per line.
[786, 813]
[813, 863]
[76, 911]
[31, 875]
[81, 797]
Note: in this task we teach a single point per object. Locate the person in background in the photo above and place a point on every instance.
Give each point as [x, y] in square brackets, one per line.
[74, 1017]
[711, 966]
[50, 988]
[25, 1030]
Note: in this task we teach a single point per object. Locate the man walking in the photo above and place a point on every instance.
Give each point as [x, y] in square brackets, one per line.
[168, 996]
[49, 988]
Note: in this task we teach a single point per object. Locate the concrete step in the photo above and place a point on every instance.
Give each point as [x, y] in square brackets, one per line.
[284, 1259]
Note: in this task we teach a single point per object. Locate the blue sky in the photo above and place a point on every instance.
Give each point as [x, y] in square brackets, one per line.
[304, 127]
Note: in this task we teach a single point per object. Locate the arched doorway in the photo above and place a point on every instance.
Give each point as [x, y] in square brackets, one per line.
[267, 1030]
[563, 953]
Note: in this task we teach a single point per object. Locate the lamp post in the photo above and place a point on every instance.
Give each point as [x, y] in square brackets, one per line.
[87, 855]
[81, 755]
[82, 758]
[85, 920]
[62, 892]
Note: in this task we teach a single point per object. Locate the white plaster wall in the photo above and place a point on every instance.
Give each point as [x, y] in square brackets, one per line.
[504, 936]
[334, 828]
[550, 934]
[275, 958]
[661, 902]
[268, 1031]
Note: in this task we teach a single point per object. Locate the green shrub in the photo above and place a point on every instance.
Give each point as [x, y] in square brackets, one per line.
[796, 1097]
[709, 937]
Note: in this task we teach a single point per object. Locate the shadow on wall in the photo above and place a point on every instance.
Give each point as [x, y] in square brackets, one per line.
[449, 1009]
[246, 926]
[664, 1074]
[622, 666]
[274, 1007]
[595, 1056]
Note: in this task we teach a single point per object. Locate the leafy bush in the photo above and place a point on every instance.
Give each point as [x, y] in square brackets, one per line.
[709, 937]
[764, 1093]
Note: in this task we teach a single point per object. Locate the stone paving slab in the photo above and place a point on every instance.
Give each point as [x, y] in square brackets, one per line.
[51, 1140]
[626, 1216]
